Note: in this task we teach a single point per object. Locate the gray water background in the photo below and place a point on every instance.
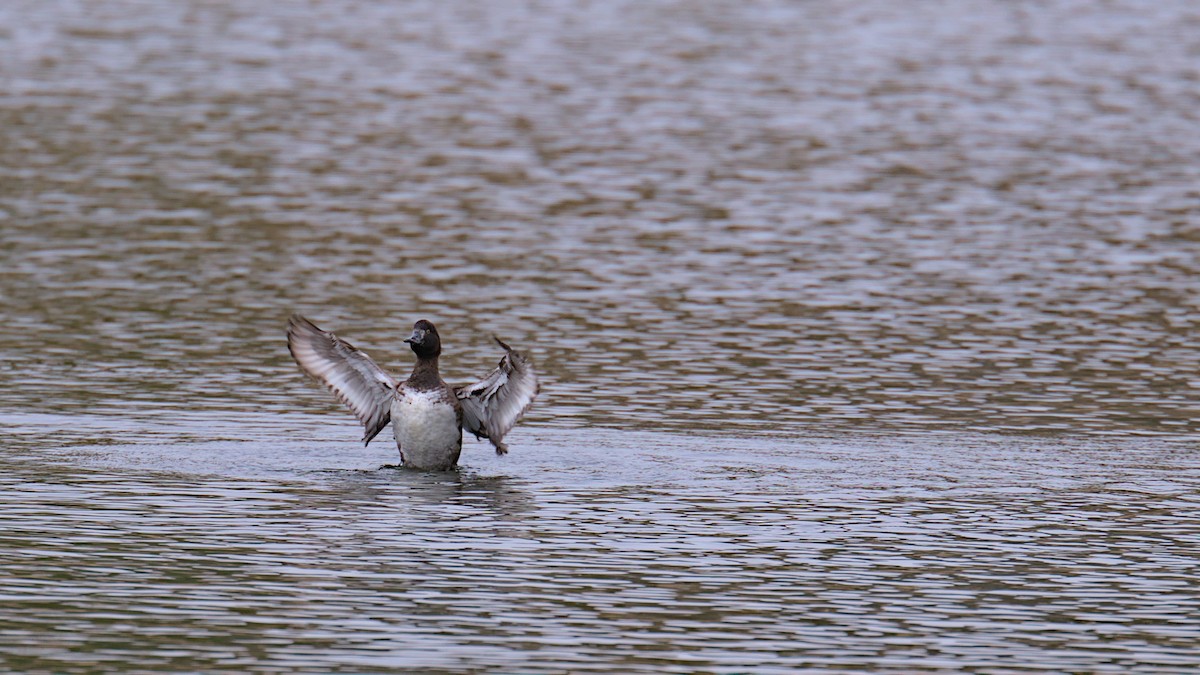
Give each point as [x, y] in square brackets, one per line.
[867, 333]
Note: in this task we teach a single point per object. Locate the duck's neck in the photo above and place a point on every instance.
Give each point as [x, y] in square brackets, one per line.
[425, 374]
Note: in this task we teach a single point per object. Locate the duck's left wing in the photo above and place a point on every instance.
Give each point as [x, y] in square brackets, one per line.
[352, 376]
[493, 405]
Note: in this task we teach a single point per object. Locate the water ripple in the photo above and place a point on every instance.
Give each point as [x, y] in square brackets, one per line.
[929, 239]
[870, 223]
[703, 554]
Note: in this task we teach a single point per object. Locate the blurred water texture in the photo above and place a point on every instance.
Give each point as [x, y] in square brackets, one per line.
[867, 332]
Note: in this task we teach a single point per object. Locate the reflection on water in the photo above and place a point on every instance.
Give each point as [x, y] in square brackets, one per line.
[751, 221]
[589, 550]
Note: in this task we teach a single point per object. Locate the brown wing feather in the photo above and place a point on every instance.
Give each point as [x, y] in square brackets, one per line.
[494, 404]
[352, 376]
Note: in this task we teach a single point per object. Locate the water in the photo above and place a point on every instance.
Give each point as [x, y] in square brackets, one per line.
[590, 550]
[866, 331]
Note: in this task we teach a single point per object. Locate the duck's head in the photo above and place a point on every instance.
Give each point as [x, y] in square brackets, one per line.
[424, 340]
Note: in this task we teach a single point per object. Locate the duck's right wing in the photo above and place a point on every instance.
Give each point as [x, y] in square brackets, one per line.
[352, 376]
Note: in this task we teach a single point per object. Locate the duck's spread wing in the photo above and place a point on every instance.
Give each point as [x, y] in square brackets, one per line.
[352, 376]
[493, 405]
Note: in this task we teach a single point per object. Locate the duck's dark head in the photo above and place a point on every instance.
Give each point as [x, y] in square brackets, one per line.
[424, 340]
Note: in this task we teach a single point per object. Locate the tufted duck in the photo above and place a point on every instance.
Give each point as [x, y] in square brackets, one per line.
[427, 415]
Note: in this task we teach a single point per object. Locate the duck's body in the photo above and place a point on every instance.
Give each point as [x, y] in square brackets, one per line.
[427, 425]
[427, 415]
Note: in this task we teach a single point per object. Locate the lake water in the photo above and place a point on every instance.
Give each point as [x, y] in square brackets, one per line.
[867, 333]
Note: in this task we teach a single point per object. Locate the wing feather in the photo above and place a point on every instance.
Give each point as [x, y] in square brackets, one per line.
[352, 376]
[494, 404]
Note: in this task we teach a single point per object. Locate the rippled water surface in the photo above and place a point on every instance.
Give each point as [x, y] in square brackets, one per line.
[587, 550]
[867, 333]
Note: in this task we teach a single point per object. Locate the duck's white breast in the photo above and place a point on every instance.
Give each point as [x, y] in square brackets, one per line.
[426, 429]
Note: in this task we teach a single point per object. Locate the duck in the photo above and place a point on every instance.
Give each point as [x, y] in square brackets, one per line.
[427, 415]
